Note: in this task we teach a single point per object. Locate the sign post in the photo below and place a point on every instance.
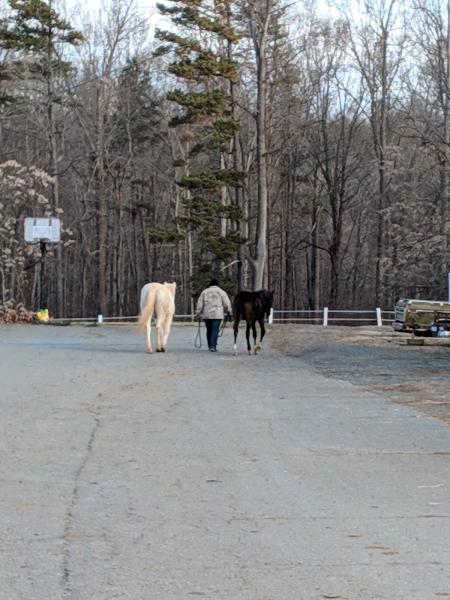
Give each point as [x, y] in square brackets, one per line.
[42, 294]
[43, 231]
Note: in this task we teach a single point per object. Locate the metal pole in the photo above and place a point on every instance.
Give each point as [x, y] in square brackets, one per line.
[42, 294]
[325, 316]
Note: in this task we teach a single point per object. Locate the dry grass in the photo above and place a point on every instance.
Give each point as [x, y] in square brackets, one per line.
[19, 314]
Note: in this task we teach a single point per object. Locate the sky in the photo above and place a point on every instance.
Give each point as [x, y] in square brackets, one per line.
[148, 11]
[148, 7]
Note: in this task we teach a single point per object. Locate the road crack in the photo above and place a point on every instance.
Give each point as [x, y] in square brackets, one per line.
[69, 515]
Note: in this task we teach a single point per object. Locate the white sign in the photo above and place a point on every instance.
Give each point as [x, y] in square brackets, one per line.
[46, 229]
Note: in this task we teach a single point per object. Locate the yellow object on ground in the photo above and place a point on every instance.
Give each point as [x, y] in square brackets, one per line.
[42, 315]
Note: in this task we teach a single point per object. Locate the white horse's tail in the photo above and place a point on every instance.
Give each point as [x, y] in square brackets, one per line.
[147, 311]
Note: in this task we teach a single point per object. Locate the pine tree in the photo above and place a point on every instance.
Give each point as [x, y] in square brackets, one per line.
[202, 48]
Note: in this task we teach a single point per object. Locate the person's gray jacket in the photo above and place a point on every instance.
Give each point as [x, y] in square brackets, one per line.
[212, 303]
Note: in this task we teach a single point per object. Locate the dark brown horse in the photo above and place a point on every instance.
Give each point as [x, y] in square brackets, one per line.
[253, 307]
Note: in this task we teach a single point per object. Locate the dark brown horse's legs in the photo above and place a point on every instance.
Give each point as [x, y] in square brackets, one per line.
[254, 333]
[235, 329]
[247, 335]
[258, 346]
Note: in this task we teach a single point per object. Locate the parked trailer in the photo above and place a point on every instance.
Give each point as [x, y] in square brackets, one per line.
[418, 315]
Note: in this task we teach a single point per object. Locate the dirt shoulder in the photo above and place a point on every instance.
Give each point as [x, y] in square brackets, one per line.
[376, 359]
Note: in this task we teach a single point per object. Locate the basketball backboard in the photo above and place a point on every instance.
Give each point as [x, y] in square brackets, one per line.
[40, 229]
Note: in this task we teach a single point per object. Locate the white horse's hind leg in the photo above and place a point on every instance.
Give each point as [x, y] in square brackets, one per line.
[166, 332]
[149, 339]
[235, 350]
[147, 305]
[160, 334]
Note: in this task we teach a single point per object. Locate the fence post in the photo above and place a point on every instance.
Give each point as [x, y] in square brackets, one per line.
[99, 319]
[325, 316]
[271, 317]
[379, 319]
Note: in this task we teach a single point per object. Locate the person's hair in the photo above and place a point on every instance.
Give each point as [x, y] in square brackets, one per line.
[213, 282]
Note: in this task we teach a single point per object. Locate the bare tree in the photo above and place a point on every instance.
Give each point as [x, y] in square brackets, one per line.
[377, 51]
[260, 16]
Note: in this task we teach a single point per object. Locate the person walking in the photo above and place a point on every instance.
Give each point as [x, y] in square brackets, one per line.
[212, 306]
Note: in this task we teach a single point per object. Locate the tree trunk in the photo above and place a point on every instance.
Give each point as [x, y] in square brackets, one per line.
[260, 41]
[54, 169]
[102, 214]
[445, 163]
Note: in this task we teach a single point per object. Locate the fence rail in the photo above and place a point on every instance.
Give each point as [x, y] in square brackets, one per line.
[324, 316]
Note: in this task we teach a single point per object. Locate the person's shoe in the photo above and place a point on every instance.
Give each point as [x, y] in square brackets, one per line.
[213, 349]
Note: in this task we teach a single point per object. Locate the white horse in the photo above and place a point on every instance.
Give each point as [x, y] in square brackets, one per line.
[158, 297]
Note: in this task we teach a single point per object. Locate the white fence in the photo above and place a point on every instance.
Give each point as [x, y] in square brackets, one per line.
[100, 319]
[327, 316]
[323, 317]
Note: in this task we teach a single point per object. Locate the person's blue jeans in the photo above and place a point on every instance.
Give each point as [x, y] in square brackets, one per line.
[212, 332]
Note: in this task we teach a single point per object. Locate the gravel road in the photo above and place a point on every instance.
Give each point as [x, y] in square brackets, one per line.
[376, 360]
[189, 474]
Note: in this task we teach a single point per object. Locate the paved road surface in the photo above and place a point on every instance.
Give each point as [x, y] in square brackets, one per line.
[198, 475]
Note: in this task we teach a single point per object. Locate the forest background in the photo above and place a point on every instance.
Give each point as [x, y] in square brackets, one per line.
[262, 141]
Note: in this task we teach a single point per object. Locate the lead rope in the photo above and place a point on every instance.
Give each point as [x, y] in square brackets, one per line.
[222, 327]
[198, 337]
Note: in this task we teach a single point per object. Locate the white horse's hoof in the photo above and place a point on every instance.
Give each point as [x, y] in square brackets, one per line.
[149, 351]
